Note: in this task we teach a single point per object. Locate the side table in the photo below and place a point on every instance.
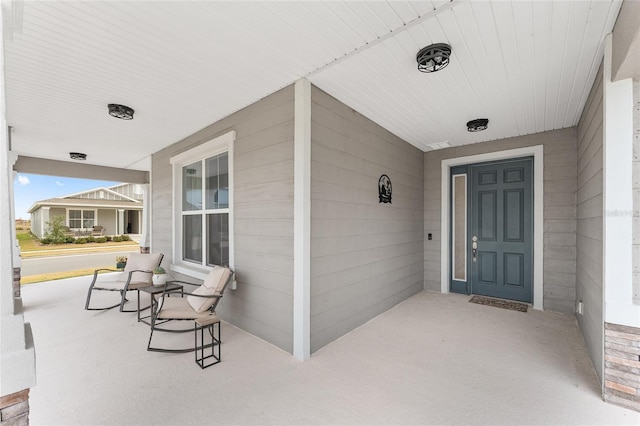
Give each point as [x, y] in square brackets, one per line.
[153, 291]
[208, 329]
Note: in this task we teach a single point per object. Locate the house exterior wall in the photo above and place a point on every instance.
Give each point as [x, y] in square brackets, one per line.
[263, 209]
[56, 211]
[559, 215]
[130, 190]
[366, 256]
[107, 218]
[589, 267]
[36, 223]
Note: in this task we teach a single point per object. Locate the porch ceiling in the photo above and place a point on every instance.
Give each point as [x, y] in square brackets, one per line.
[527, 66]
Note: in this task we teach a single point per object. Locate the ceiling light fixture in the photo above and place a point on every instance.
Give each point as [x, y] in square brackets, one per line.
[78, 156]
[478, 125]
[122, 112]
[433, 57]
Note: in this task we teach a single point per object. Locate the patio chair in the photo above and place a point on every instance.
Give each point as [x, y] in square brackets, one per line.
[198, 306]
[98, 231]
[138, 273]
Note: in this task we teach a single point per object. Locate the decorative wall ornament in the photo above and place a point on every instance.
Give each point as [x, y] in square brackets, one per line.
[384, 189]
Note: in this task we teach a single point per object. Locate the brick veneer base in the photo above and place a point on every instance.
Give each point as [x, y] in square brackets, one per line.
[14, 409]
[622, 365]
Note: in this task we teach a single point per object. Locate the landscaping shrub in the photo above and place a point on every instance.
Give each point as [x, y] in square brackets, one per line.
[69, 239]
[56, 231]
[45, 241]
[81, 240]
[91, 239]
[125, 238]
[100, 239]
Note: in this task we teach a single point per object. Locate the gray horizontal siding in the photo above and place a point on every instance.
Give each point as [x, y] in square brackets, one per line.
[365, 256]
[589, 268]
[263, 209]
[559, 213]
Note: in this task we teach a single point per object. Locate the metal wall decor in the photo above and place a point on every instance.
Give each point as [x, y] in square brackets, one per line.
[122, 112]
[384, 189]
[478, 125]
[433, 57]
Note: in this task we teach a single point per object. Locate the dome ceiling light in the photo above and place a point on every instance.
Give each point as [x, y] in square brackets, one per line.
[78, 156]
[122, 112]
[478, 125]
[433, 57]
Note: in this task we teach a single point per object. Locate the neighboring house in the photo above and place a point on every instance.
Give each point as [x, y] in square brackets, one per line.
[118, 209]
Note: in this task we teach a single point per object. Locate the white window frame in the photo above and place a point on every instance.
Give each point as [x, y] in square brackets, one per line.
[211, 148]
[95, 216]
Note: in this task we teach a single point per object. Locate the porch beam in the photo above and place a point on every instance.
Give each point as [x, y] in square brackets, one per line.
[42, 166]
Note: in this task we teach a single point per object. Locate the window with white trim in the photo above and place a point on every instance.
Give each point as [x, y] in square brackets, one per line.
[81, 219]
[203, 204]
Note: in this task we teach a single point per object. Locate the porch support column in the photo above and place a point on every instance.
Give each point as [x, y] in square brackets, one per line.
[121, 227]
[620, 382]
[618, 198]
[145, 240]
[302, 221]
[17, 353]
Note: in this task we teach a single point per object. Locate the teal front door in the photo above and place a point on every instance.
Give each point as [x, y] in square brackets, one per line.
[501, 230]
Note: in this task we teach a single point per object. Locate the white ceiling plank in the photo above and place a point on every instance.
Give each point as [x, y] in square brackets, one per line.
[523, 19]
[573, 49]
[542, 42]
[184, 65]
[405, 11]
[386, 13]
[555, 56]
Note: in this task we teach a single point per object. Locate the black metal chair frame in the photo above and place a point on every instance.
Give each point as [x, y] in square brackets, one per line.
[123, 291]
[155, 321]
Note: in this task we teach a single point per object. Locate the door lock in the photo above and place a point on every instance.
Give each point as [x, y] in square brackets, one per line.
[474, 248]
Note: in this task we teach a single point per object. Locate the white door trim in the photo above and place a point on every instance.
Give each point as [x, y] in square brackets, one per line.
[537, 152]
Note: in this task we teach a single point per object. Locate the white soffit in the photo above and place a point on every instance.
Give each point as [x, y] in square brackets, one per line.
[527, 66]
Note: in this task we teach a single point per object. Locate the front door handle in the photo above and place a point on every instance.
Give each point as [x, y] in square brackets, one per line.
[474, 248]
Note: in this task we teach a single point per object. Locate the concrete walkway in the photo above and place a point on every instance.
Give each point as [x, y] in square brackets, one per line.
[433, 359]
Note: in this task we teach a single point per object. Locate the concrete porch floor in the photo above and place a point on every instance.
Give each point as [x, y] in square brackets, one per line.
[432, 359]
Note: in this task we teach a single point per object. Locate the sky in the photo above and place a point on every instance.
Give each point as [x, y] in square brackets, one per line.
[29, 188]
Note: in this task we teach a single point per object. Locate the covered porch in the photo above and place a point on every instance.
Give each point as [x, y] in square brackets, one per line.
[432, 359]
[283, 161]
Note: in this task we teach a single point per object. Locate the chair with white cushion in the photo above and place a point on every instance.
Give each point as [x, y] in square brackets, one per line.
[198, 306]
[138, 273]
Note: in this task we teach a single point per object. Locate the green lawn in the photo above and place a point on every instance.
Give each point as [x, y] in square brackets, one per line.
[30, 247]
